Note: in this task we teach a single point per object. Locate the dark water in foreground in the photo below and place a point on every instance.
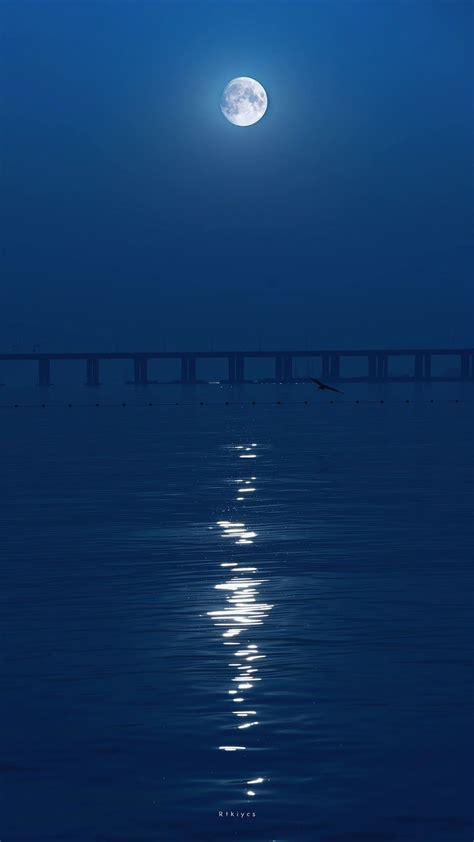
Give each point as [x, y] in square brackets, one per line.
[187, 630]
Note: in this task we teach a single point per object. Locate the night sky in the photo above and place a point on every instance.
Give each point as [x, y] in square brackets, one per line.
[134, 215]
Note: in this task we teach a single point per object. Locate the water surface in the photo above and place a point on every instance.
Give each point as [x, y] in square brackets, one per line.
[161, 590]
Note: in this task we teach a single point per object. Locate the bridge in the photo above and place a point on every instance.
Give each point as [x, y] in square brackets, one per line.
[377, 365]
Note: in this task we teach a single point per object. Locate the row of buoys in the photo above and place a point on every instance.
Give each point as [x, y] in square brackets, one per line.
[226, 403]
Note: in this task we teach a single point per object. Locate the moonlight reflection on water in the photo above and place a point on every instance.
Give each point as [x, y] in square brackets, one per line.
[240, 618]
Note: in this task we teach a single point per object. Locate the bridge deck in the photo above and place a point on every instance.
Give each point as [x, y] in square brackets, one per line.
[378, 364]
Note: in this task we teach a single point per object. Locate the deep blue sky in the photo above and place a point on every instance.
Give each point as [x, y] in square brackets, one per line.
[133, 211]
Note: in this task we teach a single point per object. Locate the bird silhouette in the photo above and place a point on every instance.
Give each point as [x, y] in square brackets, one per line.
[322, 387]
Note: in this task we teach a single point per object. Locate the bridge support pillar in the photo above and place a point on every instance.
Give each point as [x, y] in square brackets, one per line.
[140, 369]
[239, 368]
[279, 368]
[287, 369]
[427, 371]
[325, 366]
[334, 367]
[372, 366]
[465, 365]
[92, 371]
[382, 367]
[419, 366]
[184, 370]
[188, 369]
[44, 372]
[231, 369]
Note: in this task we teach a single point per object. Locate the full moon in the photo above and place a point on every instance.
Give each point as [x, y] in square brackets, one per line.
[244, 101]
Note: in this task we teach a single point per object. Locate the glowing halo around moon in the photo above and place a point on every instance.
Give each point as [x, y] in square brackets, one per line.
[244, 101]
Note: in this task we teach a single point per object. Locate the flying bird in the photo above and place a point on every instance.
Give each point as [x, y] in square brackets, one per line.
[322, 387]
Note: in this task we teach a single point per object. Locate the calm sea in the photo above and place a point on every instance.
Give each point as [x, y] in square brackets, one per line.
[237, 621]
